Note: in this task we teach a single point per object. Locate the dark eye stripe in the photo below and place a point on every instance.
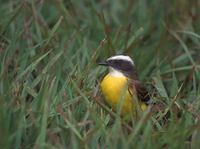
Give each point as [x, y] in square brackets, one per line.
[126, 67]
[121, 64]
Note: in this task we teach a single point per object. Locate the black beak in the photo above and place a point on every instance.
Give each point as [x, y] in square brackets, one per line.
[103, 63]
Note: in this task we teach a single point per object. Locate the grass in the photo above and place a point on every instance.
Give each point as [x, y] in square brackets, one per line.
[48, 72]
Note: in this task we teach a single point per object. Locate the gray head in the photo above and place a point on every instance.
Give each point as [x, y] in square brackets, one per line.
[122, 64]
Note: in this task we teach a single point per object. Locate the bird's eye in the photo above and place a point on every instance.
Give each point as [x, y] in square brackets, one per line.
[117, 62]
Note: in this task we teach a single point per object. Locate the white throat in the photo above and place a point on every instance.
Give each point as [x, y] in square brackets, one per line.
[115, 73]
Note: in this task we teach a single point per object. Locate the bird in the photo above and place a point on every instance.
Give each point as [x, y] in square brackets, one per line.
[122, 88]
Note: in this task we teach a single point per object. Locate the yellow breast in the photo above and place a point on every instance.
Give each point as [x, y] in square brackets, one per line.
[115, 90]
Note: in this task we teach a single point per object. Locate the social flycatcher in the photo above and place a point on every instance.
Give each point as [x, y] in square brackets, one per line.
[122, 86]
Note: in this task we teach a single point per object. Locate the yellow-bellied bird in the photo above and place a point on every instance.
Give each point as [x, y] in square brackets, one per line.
[121, 85]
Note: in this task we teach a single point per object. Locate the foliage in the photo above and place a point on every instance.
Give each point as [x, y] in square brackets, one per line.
[48, 72]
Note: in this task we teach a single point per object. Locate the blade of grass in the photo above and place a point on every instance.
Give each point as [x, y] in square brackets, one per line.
[184, 46]
[54, 29]
[32, 66]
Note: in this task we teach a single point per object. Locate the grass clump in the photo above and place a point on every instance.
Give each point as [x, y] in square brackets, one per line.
[48, 72]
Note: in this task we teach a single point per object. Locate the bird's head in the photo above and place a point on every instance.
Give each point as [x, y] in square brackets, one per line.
[120, 65]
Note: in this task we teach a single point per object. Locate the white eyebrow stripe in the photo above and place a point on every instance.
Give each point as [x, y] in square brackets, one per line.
[121, 57]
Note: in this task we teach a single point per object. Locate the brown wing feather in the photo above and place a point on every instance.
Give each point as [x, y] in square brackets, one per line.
[141, 91]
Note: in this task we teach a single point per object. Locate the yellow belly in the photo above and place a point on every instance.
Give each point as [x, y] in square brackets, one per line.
[115, 91]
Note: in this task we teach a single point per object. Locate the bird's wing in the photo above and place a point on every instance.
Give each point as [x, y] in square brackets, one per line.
[142, 93]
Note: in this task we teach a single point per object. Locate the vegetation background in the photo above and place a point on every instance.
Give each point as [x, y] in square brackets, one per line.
[48, 72]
